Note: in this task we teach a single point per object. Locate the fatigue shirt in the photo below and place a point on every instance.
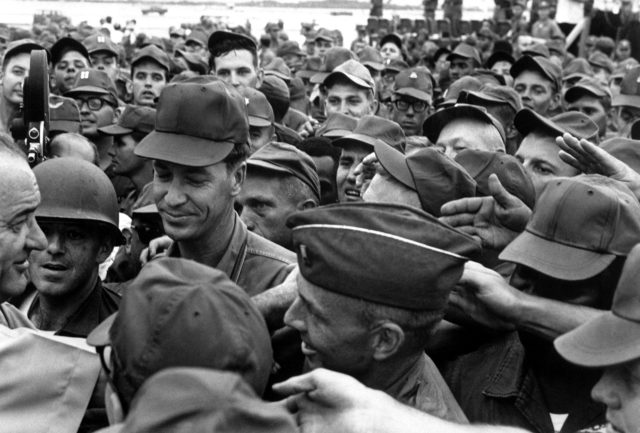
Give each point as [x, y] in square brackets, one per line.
[494, 385]
[424, 388]
[251, 261]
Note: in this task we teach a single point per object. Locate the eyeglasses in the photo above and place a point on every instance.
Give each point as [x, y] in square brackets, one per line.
[146, 233]
[94, 102]
[403, 105]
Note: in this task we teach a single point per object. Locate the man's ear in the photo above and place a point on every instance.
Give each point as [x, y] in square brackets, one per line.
[115, 413]
[238, 176]
[387, 339]
[260, 78]
[128, 85]
[556, 101]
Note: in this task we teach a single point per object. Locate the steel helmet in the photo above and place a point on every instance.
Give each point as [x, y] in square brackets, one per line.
[74, 189]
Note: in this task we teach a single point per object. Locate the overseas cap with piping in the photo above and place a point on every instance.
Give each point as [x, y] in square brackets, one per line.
[578, 227]
[196, 124]
[413, 260]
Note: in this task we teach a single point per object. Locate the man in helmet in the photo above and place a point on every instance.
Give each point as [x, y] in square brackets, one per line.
[79, 216]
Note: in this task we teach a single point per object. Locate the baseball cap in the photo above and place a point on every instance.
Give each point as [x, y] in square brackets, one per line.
[435, 123]
[278, 68]
[337, 125]
[537, 50]
[94, 81]
[210, 400]
[540, 64]
[311, 67]
[600, 60]
[258, 108]
[64, 114]
[277, 93]
[371, 58]
[180, 313]
[625, 149]
[373, 129]
[614, 336]
[324, 35]
[576, 69]
[465, 51]
[355, 72]
[290, 47]
[196, 124]
[333, 58]
[222, 35]
[393, 38]
[197, 36]
[133, 119]
[63, 45]
[395, 65]
[491, 94]
[21, 46]
[629, 89]
[194, 61]
[480, 164]
[287, 159]
[151, 52]
[572, 122]
[416, 83]
[499, 56]
[587, 86]
[465, 83]
[100, 42]
[407, 249]
[435, 177]
[578, 227]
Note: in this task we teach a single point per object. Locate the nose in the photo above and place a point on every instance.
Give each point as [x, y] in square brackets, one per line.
[84, 107]
[605, 392]
[247, 217]
[55, 243]
[36, 240]
[294, 317]
[233, 79]
[175, 197]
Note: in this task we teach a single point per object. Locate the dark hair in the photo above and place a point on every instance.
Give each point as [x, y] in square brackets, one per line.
[238, 155]
[227, 45]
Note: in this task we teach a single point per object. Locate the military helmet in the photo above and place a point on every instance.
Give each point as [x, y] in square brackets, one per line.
[74, 189]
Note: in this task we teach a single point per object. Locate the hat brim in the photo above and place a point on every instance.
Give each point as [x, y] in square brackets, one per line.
[528, 120]
[434, 124]
[374, 65]
[259, 122]
[87, 89]
[64, 125]
[603, 341]
[527, 63]
[355, 80]
[115, 130]
[149, 209]
[358, 139]
[319, 77]
[336, 133]
[414, 93]
[626, 100]
[394, 162]
[100, 335]
[191, 152]
[269, 166]
[554, 259]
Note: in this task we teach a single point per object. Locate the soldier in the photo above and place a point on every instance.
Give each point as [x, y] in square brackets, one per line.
[103, 54]
[538, 81]
[68, 57]
[234, 59]
[412, 97]
[149, 75]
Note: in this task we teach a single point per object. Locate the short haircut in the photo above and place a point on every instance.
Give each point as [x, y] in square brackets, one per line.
[232, 44]
[238, 155]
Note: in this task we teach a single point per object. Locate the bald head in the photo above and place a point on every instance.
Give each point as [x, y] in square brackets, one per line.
[462, 134]
[73, 145]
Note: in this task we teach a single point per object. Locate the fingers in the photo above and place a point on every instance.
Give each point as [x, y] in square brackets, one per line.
[458, 220]
[464, 205]
[296, 385]
[503, 197]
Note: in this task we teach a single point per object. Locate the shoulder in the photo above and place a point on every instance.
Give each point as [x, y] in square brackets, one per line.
[261, 247]
[12, 317]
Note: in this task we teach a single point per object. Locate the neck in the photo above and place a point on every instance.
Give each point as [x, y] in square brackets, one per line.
[53, 312]
[8, 111]
[210, 248]
[104, 144]
[385, 375]
[142, 176]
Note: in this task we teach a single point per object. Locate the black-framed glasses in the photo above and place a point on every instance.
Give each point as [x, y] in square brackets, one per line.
[146, 233]
[93, 102]
[403, 105]
[105, 358]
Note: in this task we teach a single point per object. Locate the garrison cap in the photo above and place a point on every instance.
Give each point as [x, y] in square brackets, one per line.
[100, 42]
[133, 119]
[287, 159]
[337, 125]
[412, 259]
[64, 114]
[373, 129]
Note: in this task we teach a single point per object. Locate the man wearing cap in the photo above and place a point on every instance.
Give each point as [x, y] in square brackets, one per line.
[538, 151]
[68, 57]
[412, 96]
[149, 75]
[322, 41]
[64, 115]
[463, 60]
[349, 89]
[234, 59]
[196, 42]
[373, 322]
[590, 97]
[464, 126]
[261, 118]
[545, 27]
[103, 54]
[538, 81]
[280, 181]
[199, 149]
[627, 103]
[292, 55]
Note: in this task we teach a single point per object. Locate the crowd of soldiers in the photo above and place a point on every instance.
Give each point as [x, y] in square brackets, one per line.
[234, 235]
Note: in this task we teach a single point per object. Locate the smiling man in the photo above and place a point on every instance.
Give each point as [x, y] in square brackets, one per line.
[149, 75]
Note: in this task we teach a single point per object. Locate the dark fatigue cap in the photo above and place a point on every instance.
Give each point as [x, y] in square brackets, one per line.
[587, 86]
[629, 89]
[435, 123]
[465, 51]
[311, 67]
[333, 58]
[371, 58]
[337, 125]
[93, 81]
[394, 38]
[152, 52]
[613, 337]
[537, 50]
[168, 316]
[355, 72]
[572, 122]
[395, 65]
[601, 60]
[388, 254]
[466, 83]
[625, 149]
[133, 119]
[499, 56]
[278, 68]
[258, 108]
[416, 83]
[576, 69]
[578, 227]
[435, 177]
[64, 114]
[297, 89]
[491, 94]
[197, 36]
[99, 42]
[210, 400]
[220, 36]
[323, 35]
[286, 159]
[21, 46]
[196, 124]
[290, 48]
[64, 45]
[373, 129]
[539, 64]
[194, 61]
[480, 164]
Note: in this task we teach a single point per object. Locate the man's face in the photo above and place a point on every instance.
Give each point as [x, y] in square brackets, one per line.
[390, 51]
[149, 78]
[237, 68]
[441, 63]
[623, 50]
[625, 116]
[352, 154]
[410, 113]
[92, 119]
[601, 74]
[195, 47]
[619, 390]
[19, 232]
[327, 174]
[539, 156]
[193, 201]
[484, 43]
[592, 107]
[348, 99]
[461, 134]
[13, 75]
[502, 67]
[460, 67]
[105, 61]
[266, 204]
[260, 135]
[70, 262]
[332, 336]
[124, 161]
[536, 92]
[293, 62]
[67, 68]
[320, 47]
